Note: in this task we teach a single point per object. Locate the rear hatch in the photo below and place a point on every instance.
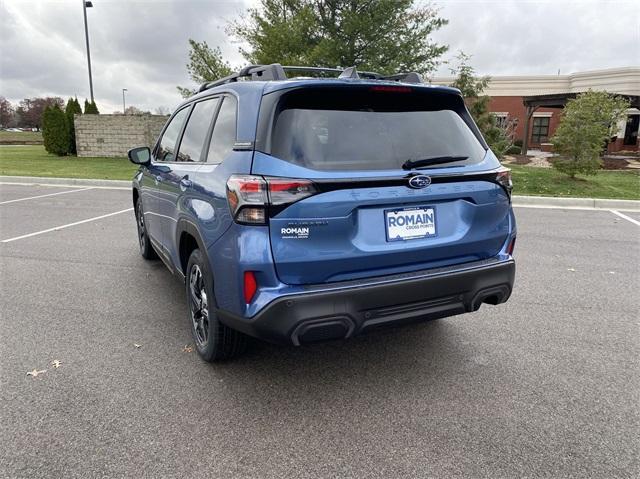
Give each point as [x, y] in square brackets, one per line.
[401, 181]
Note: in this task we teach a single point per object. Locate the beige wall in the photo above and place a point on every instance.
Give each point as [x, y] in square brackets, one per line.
[625, 81]
[114, 135]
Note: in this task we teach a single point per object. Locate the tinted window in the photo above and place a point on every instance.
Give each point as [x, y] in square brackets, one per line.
[196, 131]
[371, 130]
[540, 131]
[224, 131]
[167, 146]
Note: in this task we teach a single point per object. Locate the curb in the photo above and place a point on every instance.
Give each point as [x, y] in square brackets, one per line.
[576, 203]
[518, 200]
[37, 180]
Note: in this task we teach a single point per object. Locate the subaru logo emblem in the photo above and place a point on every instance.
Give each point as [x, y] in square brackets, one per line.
[419, 181]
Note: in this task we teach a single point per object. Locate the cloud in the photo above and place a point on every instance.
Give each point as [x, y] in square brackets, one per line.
[142, 45]
[542, 36]
[138, 45]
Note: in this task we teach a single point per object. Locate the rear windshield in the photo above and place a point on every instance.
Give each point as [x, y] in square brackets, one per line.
[370, 129]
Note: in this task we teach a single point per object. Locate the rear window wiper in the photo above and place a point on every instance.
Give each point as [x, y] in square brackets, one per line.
[435, 160]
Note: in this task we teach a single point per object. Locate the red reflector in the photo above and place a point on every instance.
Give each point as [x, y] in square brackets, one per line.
[511, 246]
[396, 89]
[250, 286]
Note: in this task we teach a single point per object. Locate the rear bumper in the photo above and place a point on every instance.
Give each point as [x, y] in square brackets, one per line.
[343, 310]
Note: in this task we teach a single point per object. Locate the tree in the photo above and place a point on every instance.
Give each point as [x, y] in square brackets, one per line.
[205, 64]
[6, 112]
[32, 109]
[588, 122]
[386, 36]
[90, 108]
[72, 108]
[55, 131]
[499, 137]
[134, 110]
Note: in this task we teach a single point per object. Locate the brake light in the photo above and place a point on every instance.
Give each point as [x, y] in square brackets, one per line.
[250, 286]
[503, 178]
[249, 195]
[512, 245]
[391, 89]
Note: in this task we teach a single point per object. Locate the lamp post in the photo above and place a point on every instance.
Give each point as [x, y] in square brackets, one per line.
[124, 107]
[87, 4]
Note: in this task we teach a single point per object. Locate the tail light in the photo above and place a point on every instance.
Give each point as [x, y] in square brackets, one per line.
[284, 191]
[250, 196]
[503, 178]
[511, 246]
[247, 196]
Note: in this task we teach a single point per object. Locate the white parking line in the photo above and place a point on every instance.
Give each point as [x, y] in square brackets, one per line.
[65, 226]
[617, 213]
[43, 196]
[56, 185]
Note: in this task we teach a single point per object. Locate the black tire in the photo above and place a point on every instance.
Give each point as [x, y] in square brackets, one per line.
[213, 340]
[146, 249]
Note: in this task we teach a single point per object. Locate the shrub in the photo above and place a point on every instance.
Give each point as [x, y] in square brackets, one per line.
[587, 123]
[514, 150]
[73, 107]
[55, 132]
[90, 108]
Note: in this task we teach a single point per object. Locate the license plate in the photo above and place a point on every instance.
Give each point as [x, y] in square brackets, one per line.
[410, 223]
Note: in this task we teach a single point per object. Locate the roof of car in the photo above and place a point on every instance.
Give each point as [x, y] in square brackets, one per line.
[270, 78]
[271, 86]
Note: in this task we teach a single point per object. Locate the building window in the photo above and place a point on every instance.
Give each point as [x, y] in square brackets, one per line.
[540, 132]
[502, 120]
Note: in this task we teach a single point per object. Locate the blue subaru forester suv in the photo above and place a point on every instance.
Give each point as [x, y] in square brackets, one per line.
[320, 207]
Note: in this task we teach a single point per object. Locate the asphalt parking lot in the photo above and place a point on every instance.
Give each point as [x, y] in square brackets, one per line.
[547, 385]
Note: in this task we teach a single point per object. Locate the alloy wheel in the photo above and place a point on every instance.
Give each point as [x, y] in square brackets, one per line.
[199, 306]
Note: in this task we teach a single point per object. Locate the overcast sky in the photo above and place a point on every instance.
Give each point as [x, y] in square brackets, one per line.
[142, 45]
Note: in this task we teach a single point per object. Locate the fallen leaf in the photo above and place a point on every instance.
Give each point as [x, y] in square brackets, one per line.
[187, 349]
[137, 345]
[35, 372]
[56, 363]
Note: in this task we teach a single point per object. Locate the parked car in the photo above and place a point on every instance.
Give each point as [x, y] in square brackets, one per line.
[305, 209]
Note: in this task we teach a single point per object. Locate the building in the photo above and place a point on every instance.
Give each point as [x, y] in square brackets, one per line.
[536, 102]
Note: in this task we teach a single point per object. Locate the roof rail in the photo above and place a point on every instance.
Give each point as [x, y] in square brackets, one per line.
[411, 77]
[275, 71]
[254, 72]
[312, 69]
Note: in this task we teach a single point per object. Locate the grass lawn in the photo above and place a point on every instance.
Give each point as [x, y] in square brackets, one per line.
[18, 137]
[528, 180]
[33, 160]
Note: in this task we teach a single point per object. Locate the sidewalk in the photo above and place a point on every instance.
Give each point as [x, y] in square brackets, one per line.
[518, 200]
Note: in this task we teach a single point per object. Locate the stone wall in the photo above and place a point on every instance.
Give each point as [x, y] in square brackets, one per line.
[114, 135]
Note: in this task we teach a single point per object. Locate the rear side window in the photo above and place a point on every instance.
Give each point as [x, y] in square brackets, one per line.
[167, 146]
[224, 131]
[371, 129]
[195, 133]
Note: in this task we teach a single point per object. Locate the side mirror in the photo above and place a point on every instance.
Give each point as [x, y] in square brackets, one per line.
[140, 155]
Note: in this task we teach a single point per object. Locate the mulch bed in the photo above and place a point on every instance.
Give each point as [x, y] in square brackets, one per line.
[614, 164]
[520, 159]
